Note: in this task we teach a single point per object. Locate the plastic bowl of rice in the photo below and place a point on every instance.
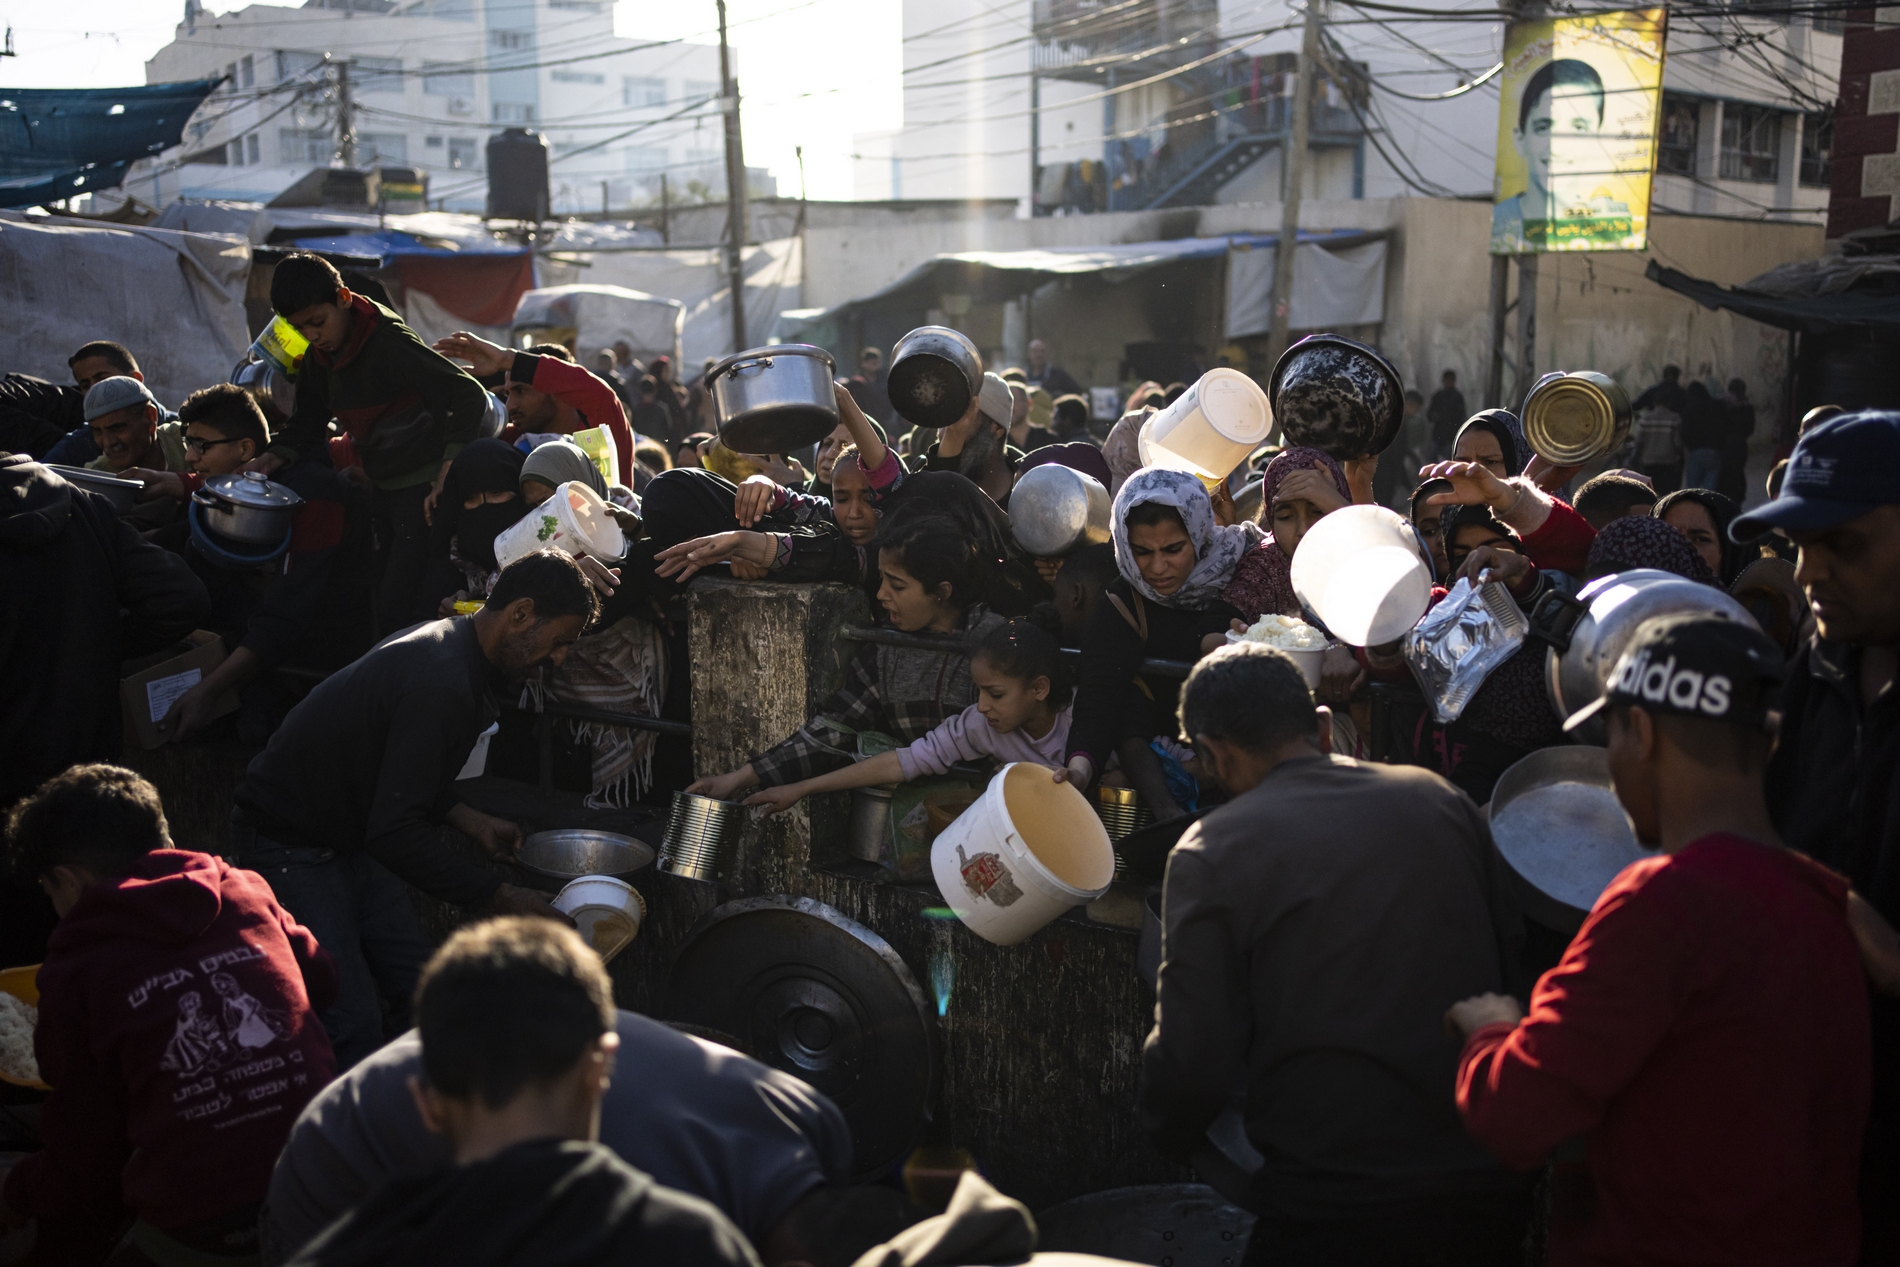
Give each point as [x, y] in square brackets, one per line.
[1304, 643]
[19, 1016]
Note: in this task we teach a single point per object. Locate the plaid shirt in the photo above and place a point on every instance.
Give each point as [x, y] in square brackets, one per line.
[899, 691]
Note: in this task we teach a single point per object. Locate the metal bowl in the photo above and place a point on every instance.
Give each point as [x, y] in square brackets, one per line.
[775, 399]
[1054, 510]
[1570, 419]
[572, 852]
[935, 373]
[1338, 395]
[123, 494]
[1560, 829]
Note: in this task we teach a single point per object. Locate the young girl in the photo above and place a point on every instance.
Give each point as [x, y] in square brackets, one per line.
[1022, 711]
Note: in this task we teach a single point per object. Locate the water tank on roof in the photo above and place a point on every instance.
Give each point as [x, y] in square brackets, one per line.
[518, 176]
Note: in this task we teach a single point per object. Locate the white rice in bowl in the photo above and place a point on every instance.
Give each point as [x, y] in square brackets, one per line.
[1288, 633]
[18, 1019]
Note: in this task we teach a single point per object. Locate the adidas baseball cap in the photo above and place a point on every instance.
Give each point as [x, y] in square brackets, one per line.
[1696, 666]
[1843, 468]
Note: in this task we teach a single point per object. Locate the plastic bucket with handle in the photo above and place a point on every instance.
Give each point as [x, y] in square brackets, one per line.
[1211, 429]
[574, 521]
[1028, 850]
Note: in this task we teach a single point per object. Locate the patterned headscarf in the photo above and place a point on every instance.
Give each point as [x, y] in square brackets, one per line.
[1217, 550]
[1263, 583]
[1503, 424]
[1297, 459]
[1646, 543]
[1122, 449]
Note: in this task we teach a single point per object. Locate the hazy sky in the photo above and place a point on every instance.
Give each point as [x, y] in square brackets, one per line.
[812, 72]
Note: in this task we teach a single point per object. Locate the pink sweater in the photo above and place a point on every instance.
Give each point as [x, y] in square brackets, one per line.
[968, 736]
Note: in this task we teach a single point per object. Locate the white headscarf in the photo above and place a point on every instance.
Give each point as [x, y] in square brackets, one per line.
[1217, 550]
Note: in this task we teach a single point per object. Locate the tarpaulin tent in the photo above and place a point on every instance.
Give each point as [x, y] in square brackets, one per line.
[600, 316]
[58, 142]
[1868, 297]
[474, 277]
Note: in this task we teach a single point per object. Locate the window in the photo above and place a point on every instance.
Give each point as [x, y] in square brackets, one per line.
[237, 153]
[431, 142]
[511, 41]
[701, 89]
[447, 79]
[247, 71]
[1751, 143]
[1817, 149]
[645, 160]
[462, 153]
[230, 78]
[1681, 125]
[636, 91]
[299, 146]
[292, 64]
[374, 149]
[376, 74]
[453, 10]
[511, 112]
[1828, 23]
[252, 147]
[584, 6]
[577, 77]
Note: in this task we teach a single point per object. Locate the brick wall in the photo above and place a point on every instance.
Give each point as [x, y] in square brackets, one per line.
[1866, 167]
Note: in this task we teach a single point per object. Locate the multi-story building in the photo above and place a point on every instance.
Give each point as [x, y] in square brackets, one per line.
[429, 81]
[1094, 105]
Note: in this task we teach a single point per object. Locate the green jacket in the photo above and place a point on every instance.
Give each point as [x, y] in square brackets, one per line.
[406, 408]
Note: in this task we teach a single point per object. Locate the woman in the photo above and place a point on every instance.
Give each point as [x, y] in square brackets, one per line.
[1466, 528]
[1702, 516]
[1626, 544]
[561, 461]
[929, 584]
[1174, 562]
[1298, 488]
[481, 499]
[1428, 519]
[1494, 439]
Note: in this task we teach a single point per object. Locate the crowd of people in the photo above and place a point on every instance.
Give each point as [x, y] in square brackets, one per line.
[1341, 949]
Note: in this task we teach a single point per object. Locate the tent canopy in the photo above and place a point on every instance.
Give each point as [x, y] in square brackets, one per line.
[58, 142]
[600, 316]
[1810, 313]
[393, 244]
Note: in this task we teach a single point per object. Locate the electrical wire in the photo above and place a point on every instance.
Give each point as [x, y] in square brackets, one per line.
[1475, 84]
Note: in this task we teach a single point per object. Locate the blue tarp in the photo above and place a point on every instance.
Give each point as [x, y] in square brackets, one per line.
[58, 142]
[393, 245]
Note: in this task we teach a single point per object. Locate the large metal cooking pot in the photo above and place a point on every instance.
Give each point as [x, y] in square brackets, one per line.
[775, 399]
[1616, 605]
[246, 508]
[935, 373]
[1562, 833]
[123, 494]
[1055, 509]
[1337, 394]
[1570, 419]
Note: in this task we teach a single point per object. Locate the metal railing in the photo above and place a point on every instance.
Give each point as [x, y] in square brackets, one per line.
[950, 642]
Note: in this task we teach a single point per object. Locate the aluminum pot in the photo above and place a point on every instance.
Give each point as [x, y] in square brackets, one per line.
[1338, 395]
[246, 508]
[1562, 833]
[1615, 605]
[122, 493]
[1573, 418]
[935, 373]
[775, 399]
[1055, 509]
[568, 853]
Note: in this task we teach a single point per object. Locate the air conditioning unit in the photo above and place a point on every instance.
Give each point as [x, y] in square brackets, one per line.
[461, 105]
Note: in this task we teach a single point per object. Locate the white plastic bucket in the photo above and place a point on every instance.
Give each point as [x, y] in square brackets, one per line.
[1360, 571]
[574, 521]
[1028, 850]
[1211, 430]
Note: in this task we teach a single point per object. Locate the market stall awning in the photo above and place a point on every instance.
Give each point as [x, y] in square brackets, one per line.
[59, 142]
[1806, 313]
[475, 277]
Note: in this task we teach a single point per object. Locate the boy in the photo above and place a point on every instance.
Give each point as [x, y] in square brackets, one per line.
[518, 1041]
[407, 411]
[177, 1029]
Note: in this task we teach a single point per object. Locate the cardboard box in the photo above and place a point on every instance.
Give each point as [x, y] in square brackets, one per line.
[146, 693]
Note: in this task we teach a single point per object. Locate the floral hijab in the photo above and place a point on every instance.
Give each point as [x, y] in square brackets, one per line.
[1263, 583]
[1217, 550]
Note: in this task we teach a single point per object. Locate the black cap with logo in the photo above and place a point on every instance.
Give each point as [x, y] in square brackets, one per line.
[1697, 666]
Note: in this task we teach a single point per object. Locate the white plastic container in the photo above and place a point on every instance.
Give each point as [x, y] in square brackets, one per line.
[1360, 570]
[574, 521]
[1310, 659]
[1028, 850]
[1211, 430]
[607, 912]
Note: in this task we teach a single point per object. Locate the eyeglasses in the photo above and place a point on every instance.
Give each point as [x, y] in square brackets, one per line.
[201, 446]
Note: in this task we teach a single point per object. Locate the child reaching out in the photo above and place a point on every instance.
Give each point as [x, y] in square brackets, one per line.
[1024, 700]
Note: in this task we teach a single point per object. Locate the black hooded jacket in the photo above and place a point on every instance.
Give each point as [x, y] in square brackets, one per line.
[83, 593]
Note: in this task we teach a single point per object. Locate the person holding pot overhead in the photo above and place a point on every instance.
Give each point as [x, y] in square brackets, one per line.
[1488, 454]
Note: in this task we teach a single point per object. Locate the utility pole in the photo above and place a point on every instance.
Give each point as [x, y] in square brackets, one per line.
[1035, 133]
[735, 187]
[345, 117]
[1292, 181]
[666, 238]
[1526, 287]
[1500, 296]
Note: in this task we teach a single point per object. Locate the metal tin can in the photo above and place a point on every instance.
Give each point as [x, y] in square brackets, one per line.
[1573, 418]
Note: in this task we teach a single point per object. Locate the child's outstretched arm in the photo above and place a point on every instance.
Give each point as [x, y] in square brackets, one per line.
[883, 768]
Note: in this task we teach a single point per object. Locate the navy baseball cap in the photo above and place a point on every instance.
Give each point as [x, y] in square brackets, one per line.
[1845, 467]
[1696, 665]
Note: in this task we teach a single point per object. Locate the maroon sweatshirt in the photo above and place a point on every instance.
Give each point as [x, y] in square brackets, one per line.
[178, 1034]
[1707, 1034]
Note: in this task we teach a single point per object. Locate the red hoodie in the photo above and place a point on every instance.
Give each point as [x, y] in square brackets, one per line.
[178, 1033]
[585, 399]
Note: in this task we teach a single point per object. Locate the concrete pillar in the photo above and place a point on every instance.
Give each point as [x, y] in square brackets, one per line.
[1708, 157]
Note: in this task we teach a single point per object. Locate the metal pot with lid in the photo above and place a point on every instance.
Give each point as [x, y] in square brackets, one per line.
[247, 508]
[1572, 418]
[1614, 606]
[1054, 510]
[774, 399]
[1337, 395]
[935, 373]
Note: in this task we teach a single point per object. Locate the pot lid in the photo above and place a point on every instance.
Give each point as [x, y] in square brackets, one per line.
[253, 489]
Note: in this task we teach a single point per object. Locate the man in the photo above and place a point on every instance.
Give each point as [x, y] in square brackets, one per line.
[870, 387]
[1558, 138]
[547, 393]
[671, 397]
[1834, 782]
[977, 446]
[607, 369]
[47, 421]
[1605, 498]
[407, 411]
[175, 1026]
[1669, 394]
[778, 1141]
[356, 792]
[1706, 1031]
[130, 430]
[1446, 414]
[1732, 474]
[1314, 927]
[1042, 373]
[1396, 471]
[1069, 417]
[518, 1047]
